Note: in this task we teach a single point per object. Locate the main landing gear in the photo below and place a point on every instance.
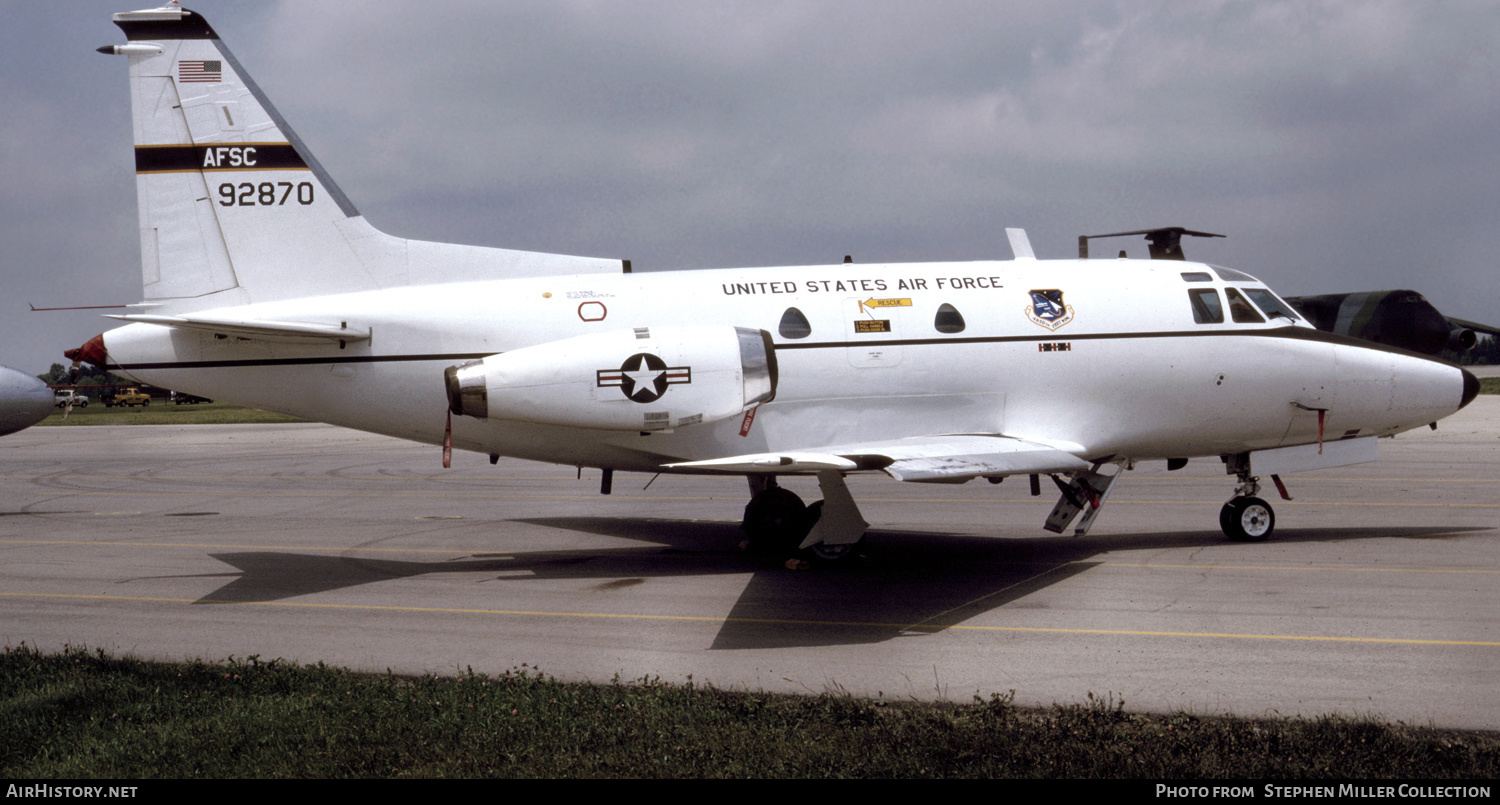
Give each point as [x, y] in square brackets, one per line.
[1247, 518]
[777, 523]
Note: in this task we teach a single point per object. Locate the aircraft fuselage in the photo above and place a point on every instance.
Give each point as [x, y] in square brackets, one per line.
[1120, 370]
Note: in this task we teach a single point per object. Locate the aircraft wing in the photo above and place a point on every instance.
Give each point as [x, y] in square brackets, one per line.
[1474, 325]
[253, 329]
[951, 458]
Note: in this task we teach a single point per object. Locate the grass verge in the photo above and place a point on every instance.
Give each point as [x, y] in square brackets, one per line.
[160, 413]
[87, 715]
[1489, 385]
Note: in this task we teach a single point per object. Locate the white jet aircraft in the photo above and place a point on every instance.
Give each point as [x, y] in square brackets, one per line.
[264, 286]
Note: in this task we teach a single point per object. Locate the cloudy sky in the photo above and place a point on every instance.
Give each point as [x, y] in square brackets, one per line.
[1341, 146]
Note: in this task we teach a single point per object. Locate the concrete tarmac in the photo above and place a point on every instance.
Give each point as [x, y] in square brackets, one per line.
[1377, 596]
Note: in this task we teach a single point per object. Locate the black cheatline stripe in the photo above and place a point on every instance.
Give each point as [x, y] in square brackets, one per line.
[1293, 333]
[217, 157]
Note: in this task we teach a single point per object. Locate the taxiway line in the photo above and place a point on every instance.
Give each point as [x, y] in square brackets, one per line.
[512, 554]
[776, 621]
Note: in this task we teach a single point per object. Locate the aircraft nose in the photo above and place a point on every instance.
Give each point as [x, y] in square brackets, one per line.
[1471, 387]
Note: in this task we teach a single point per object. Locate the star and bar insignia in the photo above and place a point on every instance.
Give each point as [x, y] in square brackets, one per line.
[644, 377]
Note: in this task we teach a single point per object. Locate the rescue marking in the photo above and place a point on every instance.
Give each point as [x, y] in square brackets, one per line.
[877, 303]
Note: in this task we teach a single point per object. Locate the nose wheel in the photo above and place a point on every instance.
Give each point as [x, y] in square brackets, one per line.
[1247, 519]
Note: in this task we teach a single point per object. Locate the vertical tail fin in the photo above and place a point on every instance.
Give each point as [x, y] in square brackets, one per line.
[234, 209]
[217, 168]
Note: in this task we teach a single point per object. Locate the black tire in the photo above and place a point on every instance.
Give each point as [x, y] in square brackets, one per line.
[1247, 519]
[775, 521]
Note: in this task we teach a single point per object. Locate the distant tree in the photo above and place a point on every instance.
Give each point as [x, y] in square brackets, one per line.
[56, 376]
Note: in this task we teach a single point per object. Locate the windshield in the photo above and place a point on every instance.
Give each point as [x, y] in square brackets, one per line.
[1268, 302]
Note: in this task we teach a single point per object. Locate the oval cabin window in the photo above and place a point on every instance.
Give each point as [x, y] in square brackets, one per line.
[948, 319]
[794, 324]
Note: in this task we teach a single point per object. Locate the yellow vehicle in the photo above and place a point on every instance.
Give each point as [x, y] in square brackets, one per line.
[130, 396]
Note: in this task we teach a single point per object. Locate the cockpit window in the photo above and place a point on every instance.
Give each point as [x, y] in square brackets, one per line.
[794, 324]
[1206, 306]
[1241, 310]
[1197, 276]
[948, 319]
[1268, 302]
[1230, 275]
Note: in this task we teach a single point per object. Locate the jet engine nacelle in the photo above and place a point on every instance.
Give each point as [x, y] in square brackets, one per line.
[1462, 339]
[646, 379]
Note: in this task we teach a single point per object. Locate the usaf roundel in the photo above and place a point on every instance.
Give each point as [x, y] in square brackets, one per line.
[644, 377]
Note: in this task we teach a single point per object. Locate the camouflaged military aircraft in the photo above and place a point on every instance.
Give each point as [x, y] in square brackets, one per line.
[264, 286]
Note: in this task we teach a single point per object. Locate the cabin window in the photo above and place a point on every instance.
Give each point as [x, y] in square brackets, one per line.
[1241, 310]
[1206, 306]
[794, 324]
[1269, 303]
[1197, 276]
[948, 319]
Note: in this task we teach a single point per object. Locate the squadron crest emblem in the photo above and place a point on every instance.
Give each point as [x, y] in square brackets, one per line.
[1047, 309]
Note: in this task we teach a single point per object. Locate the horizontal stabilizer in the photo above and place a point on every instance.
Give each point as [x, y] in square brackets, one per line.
[255, 329]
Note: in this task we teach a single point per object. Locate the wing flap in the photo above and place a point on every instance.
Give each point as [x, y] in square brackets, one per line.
[951, 458]
[954, 459]
[789, 462]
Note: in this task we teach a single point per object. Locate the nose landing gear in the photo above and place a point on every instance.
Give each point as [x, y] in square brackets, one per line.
[1247, 518]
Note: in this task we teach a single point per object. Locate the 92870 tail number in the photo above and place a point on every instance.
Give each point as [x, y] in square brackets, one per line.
[265, 194]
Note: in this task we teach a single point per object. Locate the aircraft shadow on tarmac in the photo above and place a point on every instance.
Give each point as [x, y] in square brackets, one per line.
[903, 583]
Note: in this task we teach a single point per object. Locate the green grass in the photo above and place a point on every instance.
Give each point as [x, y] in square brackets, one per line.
[161, 412]
[1489, 385]
[89, 715]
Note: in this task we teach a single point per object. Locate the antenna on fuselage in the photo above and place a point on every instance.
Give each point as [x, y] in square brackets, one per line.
[1020, 245]
[1166, 243]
